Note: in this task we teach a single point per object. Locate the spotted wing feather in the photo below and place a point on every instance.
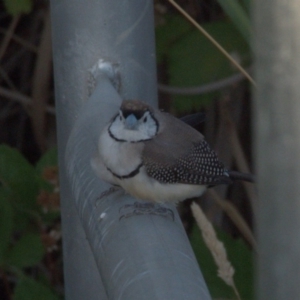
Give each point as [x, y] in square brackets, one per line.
[201, 166]
[181, 155]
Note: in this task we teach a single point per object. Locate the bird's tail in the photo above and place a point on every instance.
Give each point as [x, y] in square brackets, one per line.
[235, 175]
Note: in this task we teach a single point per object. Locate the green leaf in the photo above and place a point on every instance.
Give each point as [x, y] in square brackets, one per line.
[240, 257]
[15, 7]
[247, 5]
[195, 61]
[238, 16]
[20, 176]
[27, 252]
[29, 289]
[49, 159]
[6, 222]
[174, 28]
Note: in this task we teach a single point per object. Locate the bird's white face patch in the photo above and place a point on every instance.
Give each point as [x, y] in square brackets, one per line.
[133, 129]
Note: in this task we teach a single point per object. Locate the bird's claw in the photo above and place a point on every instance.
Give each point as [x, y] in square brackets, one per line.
[108, 192]
[147, 208]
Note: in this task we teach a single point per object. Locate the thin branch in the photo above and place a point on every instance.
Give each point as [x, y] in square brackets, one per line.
[240, 159]
[22, 42]
[235, 217]
[7, 79]
[8, 35]
[213, 41]
[23, 99]
[206, 88]
[40, 85]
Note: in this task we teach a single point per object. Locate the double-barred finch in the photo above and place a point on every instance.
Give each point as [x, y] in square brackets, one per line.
[156, 157]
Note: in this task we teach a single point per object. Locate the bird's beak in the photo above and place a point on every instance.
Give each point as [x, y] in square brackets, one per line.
[131, 122]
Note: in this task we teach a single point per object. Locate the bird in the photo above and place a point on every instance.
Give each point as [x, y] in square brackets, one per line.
[156, 157]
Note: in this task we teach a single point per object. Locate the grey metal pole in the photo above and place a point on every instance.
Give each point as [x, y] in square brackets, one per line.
[138, 257]
[277, 147]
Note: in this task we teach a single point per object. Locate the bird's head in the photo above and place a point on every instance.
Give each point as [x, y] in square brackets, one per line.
[135, 122]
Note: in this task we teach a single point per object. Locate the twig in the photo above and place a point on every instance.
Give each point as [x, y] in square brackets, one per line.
[240, 159]
[6, 79]
[25, 100]
[21, 41]
[206, 88]
[40, 86]
[213, 41]
[8, 35]
[235, 217]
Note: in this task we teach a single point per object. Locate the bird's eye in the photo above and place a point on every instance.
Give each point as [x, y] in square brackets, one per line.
[145, 120]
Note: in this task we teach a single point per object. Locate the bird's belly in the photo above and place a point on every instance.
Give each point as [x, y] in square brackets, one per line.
[146, 188]
[120, 158]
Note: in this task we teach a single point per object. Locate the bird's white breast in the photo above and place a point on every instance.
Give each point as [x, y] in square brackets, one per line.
[120, 157]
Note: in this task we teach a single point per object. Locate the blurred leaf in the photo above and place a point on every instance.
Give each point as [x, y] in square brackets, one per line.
[51, 217]
[167, 34]
[6, 222]
[18, 174]
[194, 61]
[238, 16]
[49, 159]
[50, 206]
[247, 5]
[15, 7]
[240, 257]
[27, 252]
[29, 289]
[47, 164]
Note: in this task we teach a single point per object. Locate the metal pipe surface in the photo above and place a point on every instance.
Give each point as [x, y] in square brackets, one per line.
[277, 147]
[106, 255]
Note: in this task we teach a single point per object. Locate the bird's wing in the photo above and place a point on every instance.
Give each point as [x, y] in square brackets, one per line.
[194, 119]
[179, 154]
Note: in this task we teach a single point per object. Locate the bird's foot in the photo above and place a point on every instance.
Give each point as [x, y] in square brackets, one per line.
[147, 208]
[108, 192]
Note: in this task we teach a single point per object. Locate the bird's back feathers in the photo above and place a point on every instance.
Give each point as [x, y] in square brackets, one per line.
[179, 154]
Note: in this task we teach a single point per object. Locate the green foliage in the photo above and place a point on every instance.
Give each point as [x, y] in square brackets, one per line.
[247, 5]
[241, 259]
[168, 34]
[29, 289]
[26, 252]
[6, 222]
[49, 159]
[192, 60]
[238, 16]
[17, 174]
[16, 7]
[21, 185]
[22, 220]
